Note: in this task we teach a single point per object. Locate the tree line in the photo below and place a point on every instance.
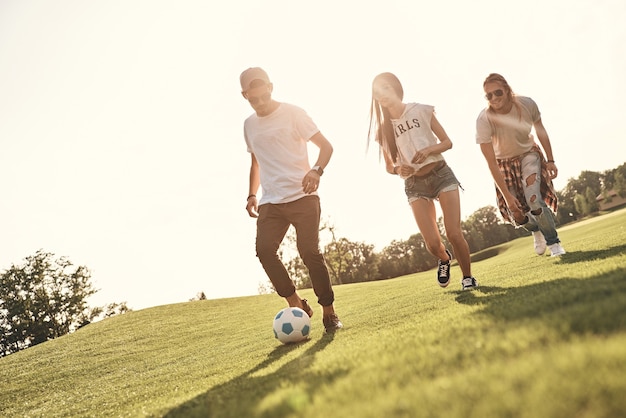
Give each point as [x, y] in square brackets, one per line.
[45, 297]
[350, 262]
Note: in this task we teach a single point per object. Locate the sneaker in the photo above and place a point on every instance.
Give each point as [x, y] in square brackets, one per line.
[556, 249]
[469, 283]
[307, 308]
[540, 242]
[443, 271]
[332, 323]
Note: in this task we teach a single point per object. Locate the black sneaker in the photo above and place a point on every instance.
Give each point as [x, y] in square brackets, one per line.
[332, 323]
[307, 308]
[469, 283]
[443, 271]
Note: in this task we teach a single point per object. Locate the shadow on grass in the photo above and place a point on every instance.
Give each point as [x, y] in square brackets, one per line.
[291, 385]
[487, 253]
[578, 256]
[596, 305]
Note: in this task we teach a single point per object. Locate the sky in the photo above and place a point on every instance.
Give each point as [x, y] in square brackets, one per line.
[121, 121]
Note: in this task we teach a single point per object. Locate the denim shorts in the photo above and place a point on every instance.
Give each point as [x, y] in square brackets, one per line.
[429, 186]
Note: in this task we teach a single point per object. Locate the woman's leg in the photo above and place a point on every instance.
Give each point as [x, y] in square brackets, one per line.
[425, 216]
[451, 208]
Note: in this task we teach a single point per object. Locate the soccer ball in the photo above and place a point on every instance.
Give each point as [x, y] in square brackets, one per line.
[291, 325]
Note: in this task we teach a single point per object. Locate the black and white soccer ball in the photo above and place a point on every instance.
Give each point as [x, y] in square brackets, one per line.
[291, 325]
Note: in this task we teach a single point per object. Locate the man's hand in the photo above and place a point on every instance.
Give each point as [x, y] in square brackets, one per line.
[515, 207]
[252, 206]
[310, 182]
[552, 170]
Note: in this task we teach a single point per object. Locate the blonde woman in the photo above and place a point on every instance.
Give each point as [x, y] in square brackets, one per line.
[523, 176]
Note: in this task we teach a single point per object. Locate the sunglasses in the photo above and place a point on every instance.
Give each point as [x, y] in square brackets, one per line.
[497, 93]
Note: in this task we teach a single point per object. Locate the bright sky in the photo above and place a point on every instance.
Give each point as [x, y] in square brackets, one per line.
[121, 138]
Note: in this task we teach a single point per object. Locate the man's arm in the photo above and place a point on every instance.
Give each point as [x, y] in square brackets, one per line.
[511, 201]
[311, 180]
[252, 205]
[542, 136]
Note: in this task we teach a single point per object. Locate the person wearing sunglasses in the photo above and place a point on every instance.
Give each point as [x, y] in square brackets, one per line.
[522, 174]
[276, 136]
[411, 140]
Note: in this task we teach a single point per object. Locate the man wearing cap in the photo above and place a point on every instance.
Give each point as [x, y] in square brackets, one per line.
[276, 136]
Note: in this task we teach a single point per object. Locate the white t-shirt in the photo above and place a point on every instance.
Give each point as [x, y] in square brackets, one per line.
[279, 142]
[509, 133]
[413, 132]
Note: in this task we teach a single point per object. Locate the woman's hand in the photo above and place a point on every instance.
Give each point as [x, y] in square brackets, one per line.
[421, 155]
[404, 170]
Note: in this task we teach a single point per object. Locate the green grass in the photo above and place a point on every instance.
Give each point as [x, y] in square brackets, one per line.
[540, 337]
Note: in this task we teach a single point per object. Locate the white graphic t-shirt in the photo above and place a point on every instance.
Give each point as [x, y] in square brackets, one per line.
[413, 132]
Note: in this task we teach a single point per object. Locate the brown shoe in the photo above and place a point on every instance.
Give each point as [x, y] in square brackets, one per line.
[332, 323]
[306, 308]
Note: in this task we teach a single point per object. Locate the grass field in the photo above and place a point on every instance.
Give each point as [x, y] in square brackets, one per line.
[541, 337]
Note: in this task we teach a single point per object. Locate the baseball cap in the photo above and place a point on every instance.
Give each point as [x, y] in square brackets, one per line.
[254, 73]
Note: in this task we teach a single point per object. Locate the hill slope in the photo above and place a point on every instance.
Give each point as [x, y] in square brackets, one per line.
[541, 336]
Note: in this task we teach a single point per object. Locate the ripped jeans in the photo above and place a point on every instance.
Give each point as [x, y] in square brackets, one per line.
[540, 217]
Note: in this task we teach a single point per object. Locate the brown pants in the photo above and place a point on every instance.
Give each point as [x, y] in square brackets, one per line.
[272, 225]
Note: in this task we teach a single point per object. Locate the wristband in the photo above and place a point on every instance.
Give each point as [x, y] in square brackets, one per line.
[252, 195]
[319, 170]
[550, 161]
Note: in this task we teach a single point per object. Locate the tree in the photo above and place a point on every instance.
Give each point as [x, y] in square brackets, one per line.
[615, 179]
[42, 299]
[351, 262]
[582, 206]
[574, 206]
[590, 195]
[484, 228]
[405, 257]
[567, 211]
[395, 260]
[586, 179]
[620, 182]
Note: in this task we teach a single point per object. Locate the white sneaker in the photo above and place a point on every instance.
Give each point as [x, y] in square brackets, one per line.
[556, 250]
[468, 283]
[540, 242]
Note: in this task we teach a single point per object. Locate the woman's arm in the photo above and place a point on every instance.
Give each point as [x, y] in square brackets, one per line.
[443, 145]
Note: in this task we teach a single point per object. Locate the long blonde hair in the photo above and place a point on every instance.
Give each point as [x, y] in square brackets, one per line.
[381, 128]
